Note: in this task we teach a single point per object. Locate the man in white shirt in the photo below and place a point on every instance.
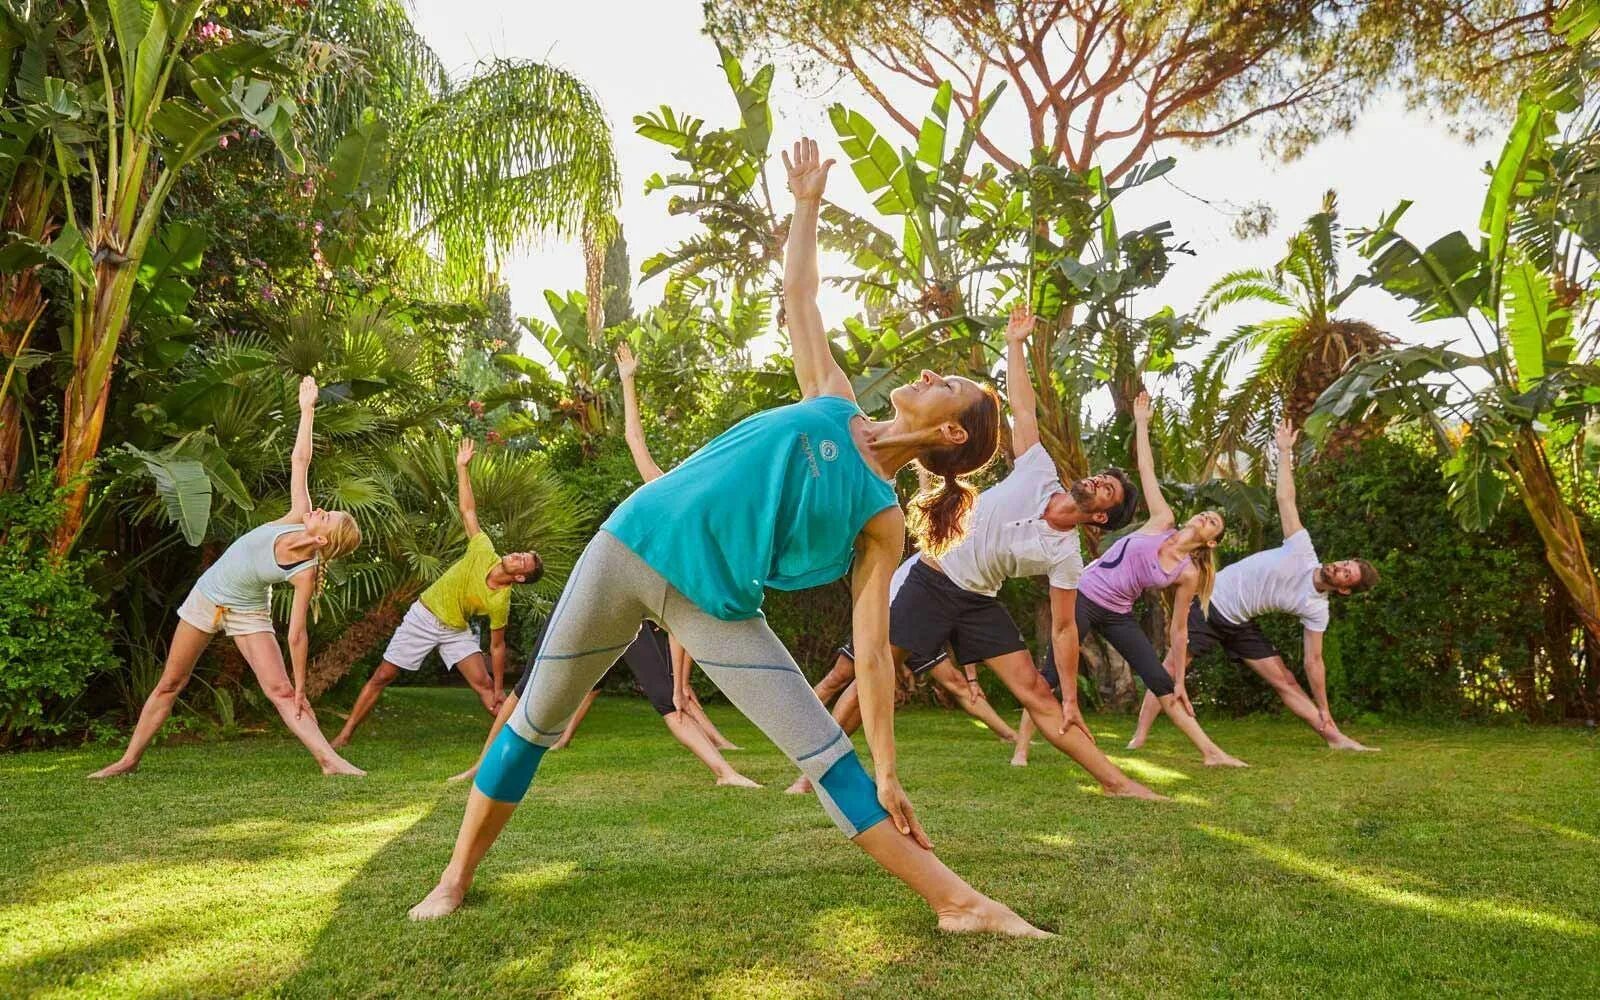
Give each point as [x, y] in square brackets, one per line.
[1026, 525]
[1288, 579]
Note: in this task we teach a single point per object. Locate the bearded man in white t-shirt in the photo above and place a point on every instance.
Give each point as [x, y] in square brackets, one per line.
[1289, 579]
[1024, 526]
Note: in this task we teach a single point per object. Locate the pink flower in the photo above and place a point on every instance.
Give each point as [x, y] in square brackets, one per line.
[268, 293]
[255, 133]
[316, 227]
[211, 31]
[223, 142]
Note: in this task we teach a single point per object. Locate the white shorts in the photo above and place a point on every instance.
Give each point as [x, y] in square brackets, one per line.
[421, 632]
[208, 616]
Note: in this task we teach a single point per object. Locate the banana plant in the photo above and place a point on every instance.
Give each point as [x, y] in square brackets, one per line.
[1526, 291]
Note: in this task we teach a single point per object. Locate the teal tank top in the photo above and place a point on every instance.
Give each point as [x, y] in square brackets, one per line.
[777, 501]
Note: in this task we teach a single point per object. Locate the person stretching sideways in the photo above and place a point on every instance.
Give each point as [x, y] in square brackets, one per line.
[659, 666]
[1287, 579]
[1157, 556]
[1026, 525]
[235, 595]
[479, 583]
[792, 497]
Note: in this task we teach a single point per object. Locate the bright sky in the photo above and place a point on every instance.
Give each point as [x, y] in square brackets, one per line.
[638, 54]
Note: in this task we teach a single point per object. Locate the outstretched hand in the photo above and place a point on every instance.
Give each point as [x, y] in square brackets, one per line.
[894, 801]
[308, 393]
[1020, 325]
[627, 364]
[464, 452]
[1141, 408]
[1284, 437]
[808, 172]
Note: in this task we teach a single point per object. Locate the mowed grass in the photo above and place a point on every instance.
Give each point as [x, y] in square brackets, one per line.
[1460, 861]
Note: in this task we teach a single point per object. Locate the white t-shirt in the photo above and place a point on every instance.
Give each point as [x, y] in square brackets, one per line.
[1279, 579]
[1008, 536]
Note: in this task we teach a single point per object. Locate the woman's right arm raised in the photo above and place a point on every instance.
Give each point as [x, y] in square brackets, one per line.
[814, 367]
[300, 457]
[1161, 516]
[633, 427]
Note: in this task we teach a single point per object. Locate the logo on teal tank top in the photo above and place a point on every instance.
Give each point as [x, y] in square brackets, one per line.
[829, 450]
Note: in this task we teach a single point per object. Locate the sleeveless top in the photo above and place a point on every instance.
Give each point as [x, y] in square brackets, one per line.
[1130, 567]
[777, 500]
[242, 579]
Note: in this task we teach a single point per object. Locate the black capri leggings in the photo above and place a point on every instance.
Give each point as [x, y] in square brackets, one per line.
[1121, 630]
[649, 657]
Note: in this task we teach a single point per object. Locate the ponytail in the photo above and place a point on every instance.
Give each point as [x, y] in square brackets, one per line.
[1205, 560]
[938, 517]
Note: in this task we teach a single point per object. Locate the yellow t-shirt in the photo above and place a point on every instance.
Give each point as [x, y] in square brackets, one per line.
[462, 592]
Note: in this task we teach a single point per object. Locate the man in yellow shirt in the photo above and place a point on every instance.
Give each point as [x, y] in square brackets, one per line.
[476, 585]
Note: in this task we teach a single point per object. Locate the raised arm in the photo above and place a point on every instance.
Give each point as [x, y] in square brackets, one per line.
[632, 426]
[1019, 387]
[464, 499]
[1161, 516]
[1287, 512]
[300, 457]
[877, 553]
[818, 373]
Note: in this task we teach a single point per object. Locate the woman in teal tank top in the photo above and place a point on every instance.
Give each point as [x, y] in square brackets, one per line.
[789, 498]
[234, 596]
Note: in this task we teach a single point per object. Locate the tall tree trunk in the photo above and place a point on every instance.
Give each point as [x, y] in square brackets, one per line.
[1558, 526]
[329, 666]
[21, 304]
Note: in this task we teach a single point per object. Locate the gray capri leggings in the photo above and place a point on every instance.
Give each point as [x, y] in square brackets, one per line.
[610, 592]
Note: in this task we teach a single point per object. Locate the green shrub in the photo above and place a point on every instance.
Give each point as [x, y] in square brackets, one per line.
[53, 631]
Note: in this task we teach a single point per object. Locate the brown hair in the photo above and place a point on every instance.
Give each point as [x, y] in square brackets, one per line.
[938, 517]
[1369, 576]
[1205, 560]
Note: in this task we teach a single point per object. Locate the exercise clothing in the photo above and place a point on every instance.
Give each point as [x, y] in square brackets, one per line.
[463, 590]
[611, 590]
[930, 613]
[1129, 568]
[1240, 640]
[1122, 631]
[1008, 536]
[208, 616]
[421, 632]
[242, 578]
[648, 658]
[775, 501]
[1280, 579]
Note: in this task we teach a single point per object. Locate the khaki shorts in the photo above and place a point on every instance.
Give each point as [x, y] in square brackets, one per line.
[208, 616]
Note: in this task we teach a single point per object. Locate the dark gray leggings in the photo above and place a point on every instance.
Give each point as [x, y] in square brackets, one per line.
[1123, 632]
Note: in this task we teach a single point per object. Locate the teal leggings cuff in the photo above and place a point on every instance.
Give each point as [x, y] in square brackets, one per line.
[856, 794]
[508, 767]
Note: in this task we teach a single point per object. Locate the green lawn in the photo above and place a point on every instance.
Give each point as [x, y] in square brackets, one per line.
[1458, 861]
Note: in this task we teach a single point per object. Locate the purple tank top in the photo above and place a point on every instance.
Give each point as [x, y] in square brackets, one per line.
[1130, 567]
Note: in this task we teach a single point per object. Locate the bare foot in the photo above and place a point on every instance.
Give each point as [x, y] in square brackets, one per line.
[737, 780]
[113, 770]
[441, 902]
[1019, 760]
[1224, 760]
[340, 766]
[340, 742]
[467, 775]
[801, 786]
[1339, 741]
[1134, 790]
[1136, 743]
[987, 916]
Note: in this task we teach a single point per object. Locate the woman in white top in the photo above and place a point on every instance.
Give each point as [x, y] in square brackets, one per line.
[235, 594]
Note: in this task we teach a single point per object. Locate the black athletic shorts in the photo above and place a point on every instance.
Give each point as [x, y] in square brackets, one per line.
[1240, 642]
[1125, 636]
[930, 613]
[649, 657]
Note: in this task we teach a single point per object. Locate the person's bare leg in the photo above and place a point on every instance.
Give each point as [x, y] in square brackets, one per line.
[475, 671]
[836, 679]
[577, 717]
[1031, 689]
[506, 708]
[260, 650]
[686, 731]
[1149, 710]
[1025, 729]
[847, 713]
[961, 909]
[1210, 753]
[381, 678]
[484, 820]
[954, 683]
[697, 712]
[188, 643]
[1276, 673]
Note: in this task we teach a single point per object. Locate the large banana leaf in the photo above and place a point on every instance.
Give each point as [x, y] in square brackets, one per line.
[184, 489]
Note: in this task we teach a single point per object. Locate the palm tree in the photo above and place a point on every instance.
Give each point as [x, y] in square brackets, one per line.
[1298, 355]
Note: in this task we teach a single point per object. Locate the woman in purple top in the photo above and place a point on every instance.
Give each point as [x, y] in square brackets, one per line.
[1157, 556]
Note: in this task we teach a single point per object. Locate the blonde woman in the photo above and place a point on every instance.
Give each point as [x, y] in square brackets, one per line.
[234, 596]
